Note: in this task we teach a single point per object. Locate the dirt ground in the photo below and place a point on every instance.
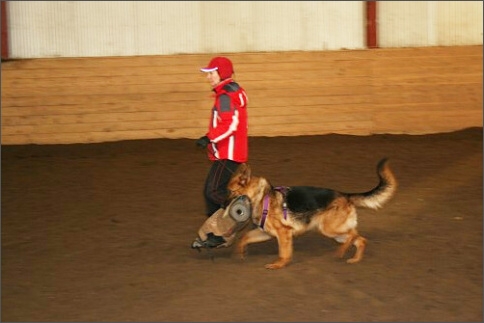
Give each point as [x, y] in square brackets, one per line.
[102, 232]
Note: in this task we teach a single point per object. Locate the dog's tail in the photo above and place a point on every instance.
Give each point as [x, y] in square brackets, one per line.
[382, 193]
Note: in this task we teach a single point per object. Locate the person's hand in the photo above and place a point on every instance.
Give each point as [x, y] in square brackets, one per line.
[203, 142]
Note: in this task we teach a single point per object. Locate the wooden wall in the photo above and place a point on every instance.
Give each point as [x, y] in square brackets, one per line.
[361, 92]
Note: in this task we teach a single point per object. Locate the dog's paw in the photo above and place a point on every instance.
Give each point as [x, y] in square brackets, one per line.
[340, 252]
[240, 253]
[353, 260]
[280, 263]
[240, 249]
[273, 266]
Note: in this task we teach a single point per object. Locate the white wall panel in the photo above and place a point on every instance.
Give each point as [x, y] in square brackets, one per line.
[280, 25]
[430, 23]
[459, 23]
[124, 28]
[103, 27]
[166, 27]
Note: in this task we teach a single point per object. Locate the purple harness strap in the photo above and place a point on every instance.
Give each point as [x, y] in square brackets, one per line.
[265, 209]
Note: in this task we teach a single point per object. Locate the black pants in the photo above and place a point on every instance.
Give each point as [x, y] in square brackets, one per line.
[215, 191]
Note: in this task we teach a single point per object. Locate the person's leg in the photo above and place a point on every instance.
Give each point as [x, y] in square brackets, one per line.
[215, 191]
[217, 231]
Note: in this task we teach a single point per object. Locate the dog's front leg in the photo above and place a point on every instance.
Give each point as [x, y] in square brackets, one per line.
[253, 236]
[284, 240]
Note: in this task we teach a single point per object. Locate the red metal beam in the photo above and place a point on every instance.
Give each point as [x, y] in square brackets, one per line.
[371, 27]
[4, 31]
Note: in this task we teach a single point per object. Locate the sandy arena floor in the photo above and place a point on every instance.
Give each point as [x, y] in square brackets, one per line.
[102, 232]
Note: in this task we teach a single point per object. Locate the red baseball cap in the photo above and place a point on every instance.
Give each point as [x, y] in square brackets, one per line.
[221, 64]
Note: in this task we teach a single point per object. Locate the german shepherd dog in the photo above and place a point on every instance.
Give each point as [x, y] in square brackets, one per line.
[288, 212]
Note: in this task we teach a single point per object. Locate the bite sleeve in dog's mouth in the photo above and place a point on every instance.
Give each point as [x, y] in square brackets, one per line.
[239, 209]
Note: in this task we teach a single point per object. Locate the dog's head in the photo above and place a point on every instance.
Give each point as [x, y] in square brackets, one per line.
[243, 182]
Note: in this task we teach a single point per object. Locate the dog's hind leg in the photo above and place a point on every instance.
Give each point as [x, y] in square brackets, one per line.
[352, 238]
[360, 243]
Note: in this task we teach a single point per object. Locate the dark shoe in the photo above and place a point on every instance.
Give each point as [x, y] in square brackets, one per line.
[212, 241]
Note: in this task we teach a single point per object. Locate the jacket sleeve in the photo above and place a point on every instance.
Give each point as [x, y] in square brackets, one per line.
[226, 118]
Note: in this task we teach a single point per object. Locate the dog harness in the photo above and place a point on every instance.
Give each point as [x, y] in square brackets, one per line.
[283, 190]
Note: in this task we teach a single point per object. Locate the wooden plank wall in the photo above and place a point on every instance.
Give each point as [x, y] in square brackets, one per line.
[361, 92]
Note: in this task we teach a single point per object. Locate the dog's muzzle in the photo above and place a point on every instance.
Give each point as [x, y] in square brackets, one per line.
[240, 209]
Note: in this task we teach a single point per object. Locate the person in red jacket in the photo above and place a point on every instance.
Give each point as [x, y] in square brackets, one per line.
[227, 139]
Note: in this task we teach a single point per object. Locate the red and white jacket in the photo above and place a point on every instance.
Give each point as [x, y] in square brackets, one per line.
[228, 126]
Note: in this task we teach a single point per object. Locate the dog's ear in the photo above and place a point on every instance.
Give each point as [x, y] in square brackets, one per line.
[243, 174]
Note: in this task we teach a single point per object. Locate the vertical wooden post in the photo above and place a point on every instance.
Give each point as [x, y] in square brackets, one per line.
[371, 25]
[4, 31]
